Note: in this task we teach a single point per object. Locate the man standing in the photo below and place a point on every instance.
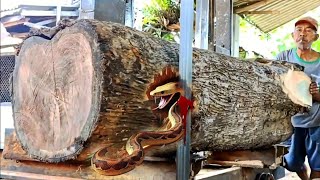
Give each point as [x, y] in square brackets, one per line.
[306, 137]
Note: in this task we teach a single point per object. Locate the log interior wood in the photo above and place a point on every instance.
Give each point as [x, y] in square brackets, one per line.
[87, 86]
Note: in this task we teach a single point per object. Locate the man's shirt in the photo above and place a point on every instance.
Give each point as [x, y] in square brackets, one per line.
[311, 118]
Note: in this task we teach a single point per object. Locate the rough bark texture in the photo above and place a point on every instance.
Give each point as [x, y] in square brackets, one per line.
[87, 82]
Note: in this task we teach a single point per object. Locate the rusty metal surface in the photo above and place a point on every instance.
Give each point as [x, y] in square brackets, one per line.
[110, 10]
[288, 10]
[223, 30]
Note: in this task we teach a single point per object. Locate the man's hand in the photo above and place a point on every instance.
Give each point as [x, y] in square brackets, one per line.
[314, 91]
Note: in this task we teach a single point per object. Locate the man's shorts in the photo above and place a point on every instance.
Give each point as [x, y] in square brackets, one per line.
[305, 142]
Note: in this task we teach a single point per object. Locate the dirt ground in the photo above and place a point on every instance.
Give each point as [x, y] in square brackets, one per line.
[294, 176]
[290, 176]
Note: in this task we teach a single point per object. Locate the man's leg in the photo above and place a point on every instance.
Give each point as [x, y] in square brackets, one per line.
[294, 160]
[315, 174]
[313, 152]
[303, 174]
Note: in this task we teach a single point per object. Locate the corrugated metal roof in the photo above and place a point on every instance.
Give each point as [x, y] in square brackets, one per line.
[278, 12]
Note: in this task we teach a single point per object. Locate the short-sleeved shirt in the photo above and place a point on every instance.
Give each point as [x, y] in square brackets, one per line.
[311, 118]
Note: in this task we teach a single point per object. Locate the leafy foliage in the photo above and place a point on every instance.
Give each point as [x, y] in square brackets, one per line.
[161, 18]
[316, 45]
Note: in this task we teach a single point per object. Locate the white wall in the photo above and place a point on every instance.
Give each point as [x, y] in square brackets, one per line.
[6, 120]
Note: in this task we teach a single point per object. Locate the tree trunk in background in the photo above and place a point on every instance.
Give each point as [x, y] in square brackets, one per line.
[83, 85]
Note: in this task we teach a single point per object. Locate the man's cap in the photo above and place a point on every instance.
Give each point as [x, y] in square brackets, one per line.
[309, 20]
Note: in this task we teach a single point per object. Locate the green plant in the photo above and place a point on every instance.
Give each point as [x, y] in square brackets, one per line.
[161, 18]
[316, 45]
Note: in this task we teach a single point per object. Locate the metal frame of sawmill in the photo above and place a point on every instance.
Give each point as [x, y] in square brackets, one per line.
[217, 29]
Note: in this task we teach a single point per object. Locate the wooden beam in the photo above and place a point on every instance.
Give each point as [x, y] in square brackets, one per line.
[249, 163]
[48, 13]
[11, 169]
[14, 23]
[33, 25]
[11, 18]
[260, 12]
[19, 35]
[253, 6]
[210, 174]
[48, 5]
[45, 22]
[14, 174]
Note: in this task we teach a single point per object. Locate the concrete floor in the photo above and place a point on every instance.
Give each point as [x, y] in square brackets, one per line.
[290, 176]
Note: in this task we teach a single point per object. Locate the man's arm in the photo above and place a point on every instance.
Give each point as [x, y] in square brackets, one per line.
[314, 91]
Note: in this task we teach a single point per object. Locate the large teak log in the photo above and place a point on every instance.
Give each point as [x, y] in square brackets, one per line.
[84, 85]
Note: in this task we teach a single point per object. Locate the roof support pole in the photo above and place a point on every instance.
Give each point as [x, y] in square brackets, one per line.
[58, 16]
[86, 9]
[221, 26]
[202, 24]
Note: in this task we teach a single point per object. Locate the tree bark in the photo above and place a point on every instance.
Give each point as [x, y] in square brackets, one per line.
[83, 84]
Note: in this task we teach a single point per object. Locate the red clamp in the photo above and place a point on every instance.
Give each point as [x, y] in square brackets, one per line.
[184, 104]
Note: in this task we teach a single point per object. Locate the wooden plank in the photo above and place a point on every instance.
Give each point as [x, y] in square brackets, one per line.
[14, 175]
[14, 23]
[13, 150]
[45, 22]
[20, 35]
[260, 12]
[249, 163]
[47, 5]
[33, 25]
[224, 174]
[69, 170]
[48, 13]
[267, 156]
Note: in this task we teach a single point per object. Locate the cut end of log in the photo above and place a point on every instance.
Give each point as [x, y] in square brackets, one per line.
[296, 85]
[53, 95]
